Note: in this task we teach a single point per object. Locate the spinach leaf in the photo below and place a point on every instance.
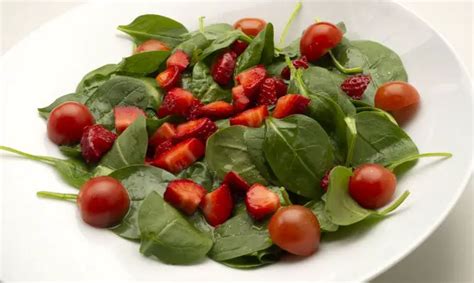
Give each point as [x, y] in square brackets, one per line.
[226, 151]
[140, 181]
[152, 124]
[222, 41]
[293, 49]
[129, 148]
[199, 173]
[44, 111]
[318, 208]
[167, 235]
[212, 31]
[194, 46]
[95, 78]
[256, 259]
[204, 87]
[222, 124]
[298, 151]
[143, 63]
[71, 151]
[276, 67]
[259, 51]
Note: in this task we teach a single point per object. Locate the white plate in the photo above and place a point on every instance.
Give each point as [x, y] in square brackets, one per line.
[46, 240]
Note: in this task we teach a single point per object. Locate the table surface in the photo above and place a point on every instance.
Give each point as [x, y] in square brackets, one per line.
[447, 255]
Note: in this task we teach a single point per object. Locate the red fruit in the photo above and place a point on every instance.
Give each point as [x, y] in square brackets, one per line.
[268, 92]
[239, 46]
[216, 110]
[223, 67]
[95, 142]
[195, 110]
[290, 104]
[235, 181]
[250, 26]
[318, 39]
[180, 156]
[281, 87]
[240, 101]
[400, 98]
[125, 116]
[151, 45]
[67, 122]
[162, 148]
[178, 59]
[164, 132]
[177, 102]
[217, 205]
[354, 86]
[301, 62]
[169, 78]
[252, 78]
[325, 181]
[261, 202]
[200, 129]
[185, 195]
[252, 118]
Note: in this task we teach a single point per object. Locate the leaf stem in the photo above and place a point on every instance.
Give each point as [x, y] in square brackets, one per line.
[351, 125]
[245, 37]
[53, 195]
[395, 204]
[288, 24]
[201, 23]
[343, 69]
[44, 159]
[395, 164]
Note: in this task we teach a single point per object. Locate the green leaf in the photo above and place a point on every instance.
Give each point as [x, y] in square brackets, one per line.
[256, 259]
[167, 235]
[71, 151]
[293, 49]
[222, 41]
[197, 43]
[324, 222]
[259, 51]
[204, 87]
[212, 31]
[143, 63]
[44, 111]
[95, 78]
[200, 173]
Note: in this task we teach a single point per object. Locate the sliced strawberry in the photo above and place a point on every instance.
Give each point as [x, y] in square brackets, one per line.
[281, 87]
[261, 202]
[290, 104]
[223, 67]
[200, 129]
[169, 78]
[185, 195]
[95, 142]
[217, 205]
[125, 116]
[164, 132]
[178, 59]
[236, 182]
[177, 102]
[195, 110]
[239, 46]
[252, 118]
[298, 63]
[252, 78]
[240, 101]
[163, 147]
[268, 92]
[217, 110]
[180, 156]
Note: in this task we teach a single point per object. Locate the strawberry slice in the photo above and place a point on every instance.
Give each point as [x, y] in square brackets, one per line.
[195, 110]
[216, 110]
[169, 78]
[95, 142]
[200, 129]
[125, 116]
[268, 92]
[164, 132]
[163, 147]
[235, 181]
[281, 87]
[223, 67]
[178, 59]
[240, 101]
[185, 195]
[252, 78]
[290, 104]
[217, 205]
[252, 118]
[180, 156]
[177, 102]
[239, 46]
[261, 202]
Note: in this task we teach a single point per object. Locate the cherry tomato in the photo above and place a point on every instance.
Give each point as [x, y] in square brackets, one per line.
[250, 26]
[399, 98]
[295, 229]
[67, 121]
[151, 45]
[103, 202]
[372, 185]
[318, 39]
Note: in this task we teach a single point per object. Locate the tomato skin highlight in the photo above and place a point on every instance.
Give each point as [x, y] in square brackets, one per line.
[318, 39]
[67, 122]
[372, 186]
[103, 202]
[250, 26]
[396, 95]
[151, 45]
[295, 229]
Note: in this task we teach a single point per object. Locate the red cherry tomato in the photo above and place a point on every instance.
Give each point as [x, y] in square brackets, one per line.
[399, 98]
[67, 121]
[151, 45]
[372, 185]
[318, 39]
[250, 26]
[103, 202]
[295, 229]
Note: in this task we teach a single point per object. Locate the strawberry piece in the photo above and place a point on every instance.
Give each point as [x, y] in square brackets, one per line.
[185, 195]
[216, 110]
[223, 67]
[178, 59]
[290, 104]
[355, 86]
[200, 129]
[298, 63]
[252, 118]
[268, 92]
[281, 87]
[325, 181]
[217, 205]
[164, 132]
[125, 116]
[261, 202]
[240, 101]
[252, 78]
[195, 110]
[163, 147]
[177, 102]
[236, 182]
[180, 156]
[169, 78]
[239, 46]
[95, 142]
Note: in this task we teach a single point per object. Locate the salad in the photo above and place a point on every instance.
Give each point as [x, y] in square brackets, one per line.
[221, 143]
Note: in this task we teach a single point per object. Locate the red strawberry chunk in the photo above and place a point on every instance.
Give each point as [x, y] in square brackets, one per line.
[217, 110]
[252, 78]
[169, 78]
[268, 92]
[240, 101]
[164, 132]
[290, 104]
[252, 118]
[223, 67]
[178, 59]
[95, 142]
[180, 156]
[177, 102]
[355, 86]
[239, 46]
[125, 116]
[236, 182]
[325, 181]
[261, 202]
[281, 87]
[217, 205]
[195, 110]
[162, 148]
[200, 129]
[298, 63]
[185, 195]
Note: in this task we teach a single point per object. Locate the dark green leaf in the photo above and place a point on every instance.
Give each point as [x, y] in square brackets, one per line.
[71, 151]
[204, 87]
[293, 49]
[256, 259]
[324, 222]
[259, 51]
[44, 111]
[143, 63]
[92, 80]
[222, 41]
[212, 31]
[199, 173]
[276, 67]
[197, 43]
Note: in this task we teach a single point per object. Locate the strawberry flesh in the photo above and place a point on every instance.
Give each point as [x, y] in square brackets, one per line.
[200, 129]
[253, 117]
[217, 205]
[223, 67]
[239, 46]
[178, 59]
[177, 102]
[169, 78]
[195, 110]
[298, 63]
[261, 201]
[236, 182]
[184, 195]
[281, 87]
[216, 110]
[163, 147]
[240, 101]
[125, 116]
[290, 104]
[180, 156]
[252, 78]
[95, 142]
[164, 132]
[268, 92]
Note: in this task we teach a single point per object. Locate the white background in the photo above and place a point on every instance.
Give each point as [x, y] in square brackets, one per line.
[447, 256]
